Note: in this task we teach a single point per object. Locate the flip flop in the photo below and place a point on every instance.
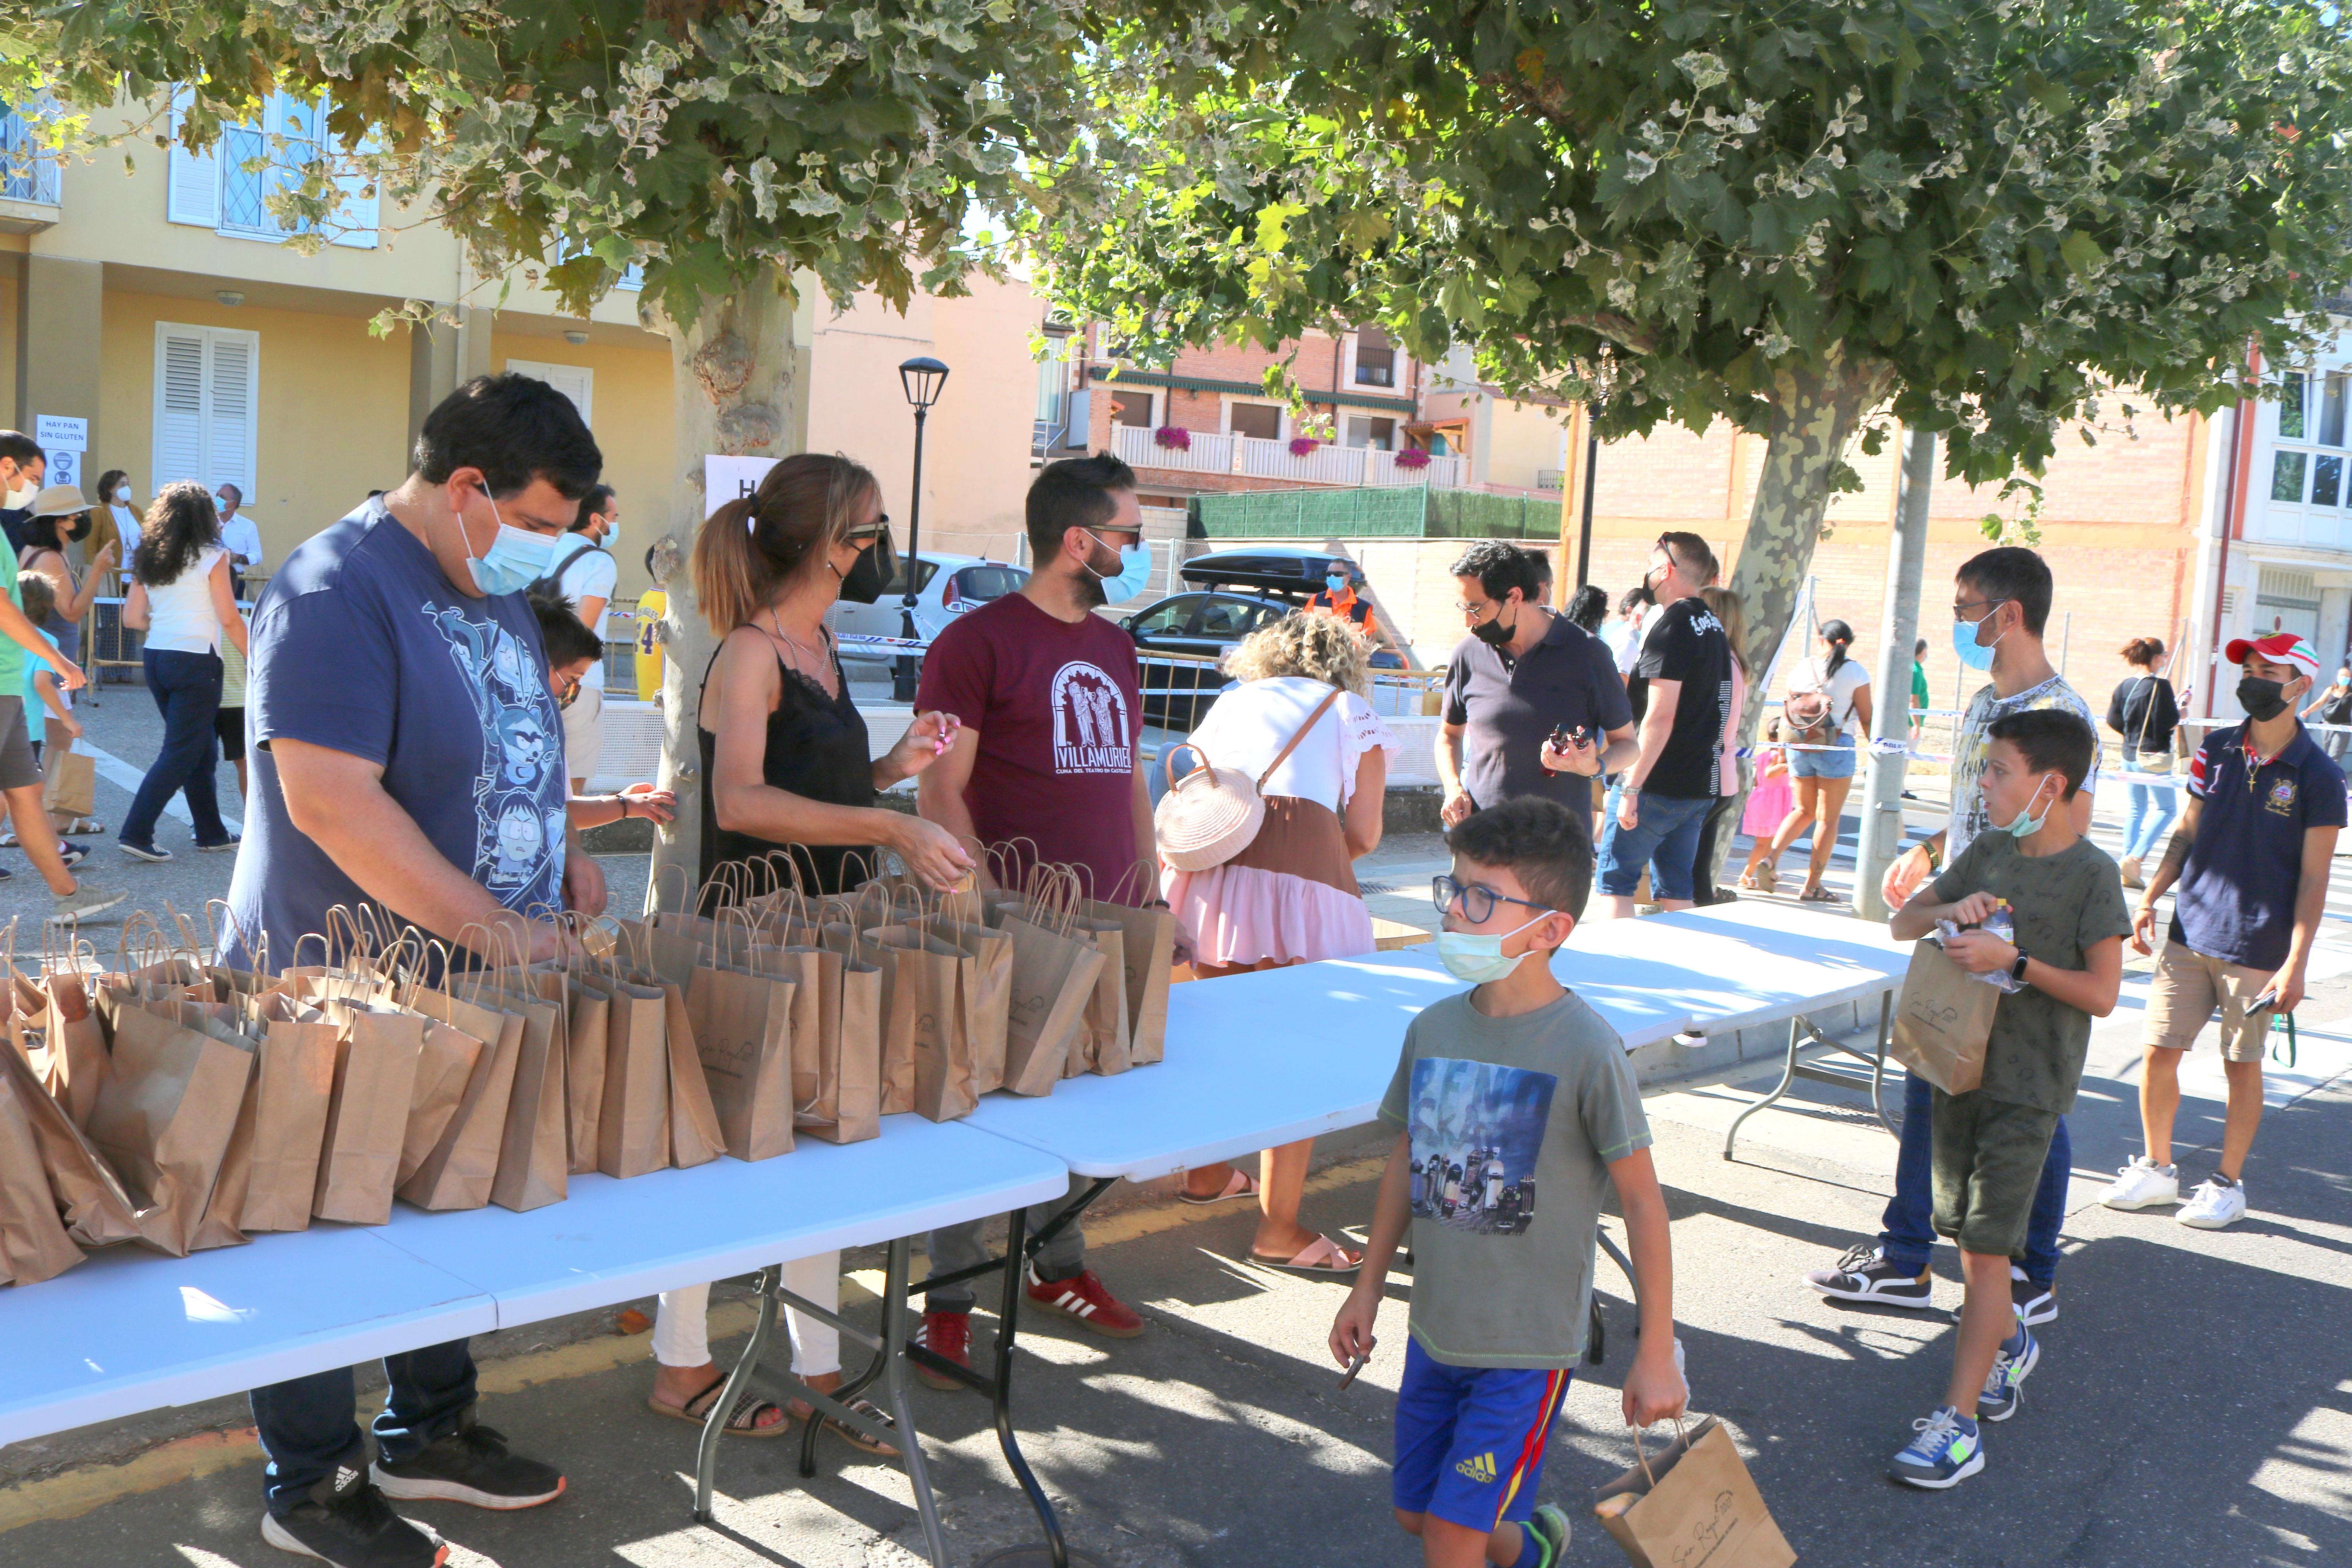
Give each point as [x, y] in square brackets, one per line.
[1237, 1185]
[1819, 896]
[1321, 1255]
[741, 1422]
[859, 1440]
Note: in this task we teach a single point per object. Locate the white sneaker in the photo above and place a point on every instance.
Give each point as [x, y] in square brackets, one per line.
[2213, 1206]
[2143, 1185]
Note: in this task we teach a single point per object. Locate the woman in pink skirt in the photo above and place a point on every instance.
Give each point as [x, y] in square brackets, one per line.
[1289, 895]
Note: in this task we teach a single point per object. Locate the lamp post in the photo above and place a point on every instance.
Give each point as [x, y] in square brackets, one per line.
[922, 378]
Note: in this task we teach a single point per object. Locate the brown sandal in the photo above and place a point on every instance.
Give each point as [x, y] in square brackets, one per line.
[741, 1422]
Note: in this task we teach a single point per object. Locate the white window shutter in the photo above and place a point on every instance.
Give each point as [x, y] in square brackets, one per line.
[193, 186]
[576, 382]
[179, 403]
[230, 382]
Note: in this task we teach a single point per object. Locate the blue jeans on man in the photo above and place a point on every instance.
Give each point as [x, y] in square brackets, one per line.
[186, 688]
[306, 1429]
[1910, 1233]
[1665, 838]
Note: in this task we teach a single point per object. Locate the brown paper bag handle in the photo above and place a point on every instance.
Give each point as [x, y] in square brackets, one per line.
[1680, 1435]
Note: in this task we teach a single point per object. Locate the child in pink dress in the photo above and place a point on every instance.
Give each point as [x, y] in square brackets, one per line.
[1768, 806]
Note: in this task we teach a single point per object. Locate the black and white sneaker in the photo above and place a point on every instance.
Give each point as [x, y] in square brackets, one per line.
[471, 1465]
[1865, 1275]
[347, 1523]
[2036, 1303]
[147, 852]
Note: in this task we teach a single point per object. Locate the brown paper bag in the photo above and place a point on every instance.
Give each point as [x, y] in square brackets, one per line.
[632, 1124]
[457, 1171]
[1694, 1503]
[533, 1159]
[164, 1119]
[836, 1038]
[1053, 979]
[929, 982]
[90, 1198]
[226, 1207]
[1942, 1021]
[295, 1087]
[1102, 1045]
[591, 1023]
[445, 1066]
[70, 786]
[695, 1137]
[76, 1064]
[743, 1028]
[34, 1245]
[367, 1116]
[987, 993]
[894, 1016]
[1148, 953]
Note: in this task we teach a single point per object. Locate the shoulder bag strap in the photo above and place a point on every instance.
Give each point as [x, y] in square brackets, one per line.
[1284, 755]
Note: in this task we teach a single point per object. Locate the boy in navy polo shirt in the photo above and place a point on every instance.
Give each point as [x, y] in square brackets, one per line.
[2251, 859]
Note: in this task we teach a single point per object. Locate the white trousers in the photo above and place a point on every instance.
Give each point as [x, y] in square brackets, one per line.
[682, 1326]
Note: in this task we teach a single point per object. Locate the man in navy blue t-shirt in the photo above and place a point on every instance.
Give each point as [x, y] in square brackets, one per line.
[2251, 859]
[406, 755]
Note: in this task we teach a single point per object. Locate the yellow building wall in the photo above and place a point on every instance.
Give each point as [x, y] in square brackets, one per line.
[630, 415]
[333, 409]
[1523, 439]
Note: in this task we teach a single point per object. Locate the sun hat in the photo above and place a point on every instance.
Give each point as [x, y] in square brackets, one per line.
[60, 501]
[2279, 647]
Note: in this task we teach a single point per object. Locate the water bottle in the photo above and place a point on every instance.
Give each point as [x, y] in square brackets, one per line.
[2003, 923]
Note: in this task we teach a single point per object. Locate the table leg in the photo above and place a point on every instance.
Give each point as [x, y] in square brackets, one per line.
[902, 1404]
[714, 1423]
[1787, 1077]
[1878, 1065]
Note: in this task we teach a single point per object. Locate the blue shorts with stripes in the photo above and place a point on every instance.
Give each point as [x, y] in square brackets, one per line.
[1470, 1439]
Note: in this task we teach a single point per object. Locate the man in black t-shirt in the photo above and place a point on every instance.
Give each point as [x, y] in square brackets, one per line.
[1680, 690]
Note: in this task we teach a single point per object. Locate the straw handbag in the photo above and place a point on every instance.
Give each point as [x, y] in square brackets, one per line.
[1210, 815]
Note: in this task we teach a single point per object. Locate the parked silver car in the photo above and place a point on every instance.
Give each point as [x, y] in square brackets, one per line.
[945, 587]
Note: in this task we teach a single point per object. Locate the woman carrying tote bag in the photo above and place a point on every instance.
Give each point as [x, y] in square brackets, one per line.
[1288, 896]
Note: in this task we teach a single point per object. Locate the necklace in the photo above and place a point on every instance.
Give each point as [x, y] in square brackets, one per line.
[794, 646]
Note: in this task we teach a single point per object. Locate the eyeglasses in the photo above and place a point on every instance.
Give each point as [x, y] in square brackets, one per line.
[1477, 903]
[1960, 611]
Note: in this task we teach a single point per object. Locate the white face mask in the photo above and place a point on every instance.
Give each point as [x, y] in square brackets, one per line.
[21, 493]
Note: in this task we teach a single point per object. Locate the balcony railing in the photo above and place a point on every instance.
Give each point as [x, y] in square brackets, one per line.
[1212, 453]
[28, 172]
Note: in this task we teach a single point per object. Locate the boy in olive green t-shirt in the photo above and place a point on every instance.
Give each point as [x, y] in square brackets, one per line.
[2064, 968]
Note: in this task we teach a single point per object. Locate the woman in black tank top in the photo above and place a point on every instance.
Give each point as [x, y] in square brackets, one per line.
[784, 760]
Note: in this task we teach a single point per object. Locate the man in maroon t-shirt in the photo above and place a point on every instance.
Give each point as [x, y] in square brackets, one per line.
[1049, 751]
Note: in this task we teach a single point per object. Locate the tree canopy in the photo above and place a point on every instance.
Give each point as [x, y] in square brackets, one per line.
[717, 145]
[1994, 215]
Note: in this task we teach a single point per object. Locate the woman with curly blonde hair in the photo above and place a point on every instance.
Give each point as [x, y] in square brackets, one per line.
[1289, 895]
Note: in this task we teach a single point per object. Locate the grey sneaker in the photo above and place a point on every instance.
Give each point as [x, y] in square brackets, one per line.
[84, 900]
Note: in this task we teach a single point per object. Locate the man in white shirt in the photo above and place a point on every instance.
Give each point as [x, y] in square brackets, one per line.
[239, 536]
[584, 572]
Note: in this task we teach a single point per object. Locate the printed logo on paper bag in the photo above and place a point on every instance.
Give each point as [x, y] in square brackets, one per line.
[1090, 722]
[1477, 1133]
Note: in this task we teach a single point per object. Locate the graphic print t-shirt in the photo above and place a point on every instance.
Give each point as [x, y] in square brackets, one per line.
[1501, 1111]
[1687, 645]
[1058, 707]
[360, 645]
[1967, 816]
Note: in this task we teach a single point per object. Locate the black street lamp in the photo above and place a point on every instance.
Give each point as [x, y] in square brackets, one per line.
[922, 378]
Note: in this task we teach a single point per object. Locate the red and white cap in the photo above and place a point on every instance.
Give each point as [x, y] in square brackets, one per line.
[2279, 647]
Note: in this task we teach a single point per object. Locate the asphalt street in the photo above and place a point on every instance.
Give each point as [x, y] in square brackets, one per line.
[2193, 1405]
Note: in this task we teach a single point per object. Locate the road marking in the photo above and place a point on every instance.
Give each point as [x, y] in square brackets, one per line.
[123, 776]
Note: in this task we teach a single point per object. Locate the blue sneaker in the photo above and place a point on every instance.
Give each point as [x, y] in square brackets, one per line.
[1548, 1533]
[1946, 1452]
[2004, 1386]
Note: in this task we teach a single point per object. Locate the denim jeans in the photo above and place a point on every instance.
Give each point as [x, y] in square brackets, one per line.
[2153, 807]
[959, 1246]
[1665, 839]
[1910, 1233]
[188, 688]
[307, 1428]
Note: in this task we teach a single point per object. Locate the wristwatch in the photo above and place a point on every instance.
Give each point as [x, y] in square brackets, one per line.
[2017, 970]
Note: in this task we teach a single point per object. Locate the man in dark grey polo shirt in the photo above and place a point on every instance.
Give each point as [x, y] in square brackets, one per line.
[1522, 672]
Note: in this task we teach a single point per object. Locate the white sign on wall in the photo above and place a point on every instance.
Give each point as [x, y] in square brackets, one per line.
[731, 479]
[59, 431]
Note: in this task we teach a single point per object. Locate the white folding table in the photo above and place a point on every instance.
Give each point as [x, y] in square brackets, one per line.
[126, 1330]
[612, 1241]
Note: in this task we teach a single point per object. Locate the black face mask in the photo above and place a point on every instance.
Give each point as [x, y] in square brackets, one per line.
[2261, 699]
[1649, 595]
[1492, 631]
[877, 566]
[80, 531]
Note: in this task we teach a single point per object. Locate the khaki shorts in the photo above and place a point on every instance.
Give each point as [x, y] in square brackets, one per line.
[583, 734]
[2189, 985]
[18, 766]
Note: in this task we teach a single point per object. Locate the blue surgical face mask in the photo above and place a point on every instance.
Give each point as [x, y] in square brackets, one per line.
[1964, 641]
[516, 559]
[2027, 823]
[1337, 583]
[1134, 574]
[1477, 957]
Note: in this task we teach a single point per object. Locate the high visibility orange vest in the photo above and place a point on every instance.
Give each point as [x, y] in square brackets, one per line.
[1352, 606]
